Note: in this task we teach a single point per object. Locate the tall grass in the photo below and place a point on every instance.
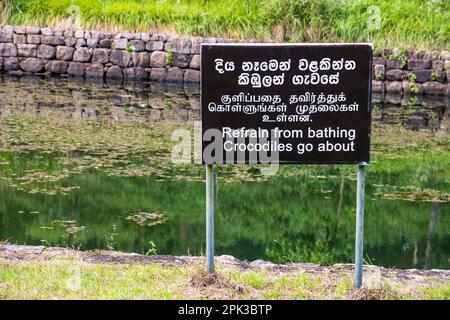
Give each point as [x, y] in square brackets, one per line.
[421, 24]
[5, 9]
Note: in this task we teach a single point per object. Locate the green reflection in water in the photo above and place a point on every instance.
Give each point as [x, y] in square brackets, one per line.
[304, 213]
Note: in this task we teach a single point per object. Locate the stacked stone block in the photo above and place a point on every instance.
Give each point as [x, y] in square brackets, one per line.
[412, 72]
[93, 54]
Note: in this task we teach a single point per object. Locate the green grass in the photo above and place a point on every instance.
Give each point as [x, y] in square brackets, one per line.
[407, 24]
[57, 278]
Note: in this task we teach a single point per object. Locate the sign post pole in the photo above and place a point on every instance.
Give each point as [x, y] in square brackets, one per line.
[210, 208]
[359, 239]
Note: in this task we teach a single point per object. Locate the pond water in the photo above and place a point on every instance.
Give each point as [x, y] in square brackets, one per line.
[88, 165]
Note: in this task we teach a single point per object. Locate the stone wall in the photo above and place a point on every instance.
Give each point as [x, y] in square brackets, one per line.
[94, 54]
[412, 72]
[145, 56]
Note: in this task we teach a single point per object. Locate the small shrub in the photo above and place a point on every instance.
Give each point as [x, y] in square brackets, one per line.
[152, 249]
[400, 55]
[435, 75]
[412, 83]
[169, 57]
[129, 48]
[379, 75]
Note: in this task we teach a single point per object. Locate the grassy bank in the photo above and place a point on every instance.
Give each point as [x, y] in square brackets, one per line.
[67, 274]
[402, 23]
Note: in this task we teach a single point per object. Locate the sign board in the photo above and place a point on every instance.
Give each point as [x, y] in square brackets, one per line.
[286, 103]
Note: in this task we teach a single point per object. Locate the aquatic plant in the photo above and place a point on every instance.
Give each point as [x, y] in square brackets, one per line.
[152, 249]
[69, 226]
[400, 55]
[147, 219]
[411, 193]
[110, 238]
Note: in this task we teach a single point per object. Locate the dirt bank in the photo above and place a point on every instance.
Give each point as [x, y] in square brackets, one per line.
[10, 252]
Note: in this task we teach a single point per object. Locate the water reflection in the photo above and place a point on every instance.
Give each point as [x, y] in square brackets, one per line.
[412, 112]
[306, 213]
[148, 102]
[143, 102]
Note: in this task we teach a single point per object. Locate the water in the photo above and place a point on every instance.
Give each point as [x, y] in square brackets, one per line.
[83, 164]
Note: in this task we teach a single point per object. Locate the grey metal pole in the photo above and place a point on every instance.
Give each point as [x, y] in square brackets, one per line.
[210, 207]
[359, 239]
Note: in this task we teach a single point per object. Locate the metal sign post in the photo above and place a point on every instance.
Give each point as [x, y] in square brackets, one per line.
[359, 239]
[210, 207]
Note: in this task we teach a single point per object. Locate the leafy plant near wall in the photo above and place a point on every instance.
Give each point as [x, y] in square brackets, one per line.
[129, 48]
[399, 55]
[413, 100]
[412, 83]
[169, 57]
[435, 75]
[379, 75]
